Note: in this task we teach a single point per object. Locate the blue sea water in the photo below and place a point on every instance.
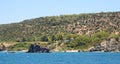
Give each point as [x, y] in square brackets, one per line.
[60, 58]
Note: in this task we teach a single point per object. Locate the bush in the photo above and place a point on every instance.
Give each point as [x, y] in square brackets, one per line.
[101, 35]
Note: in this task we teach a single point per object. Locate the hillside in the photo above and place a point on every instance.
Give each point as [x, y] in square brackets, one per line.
[64, 28]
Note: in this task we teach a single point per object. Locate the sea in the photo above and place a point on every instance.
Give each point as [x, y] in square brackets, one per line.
[60, 58]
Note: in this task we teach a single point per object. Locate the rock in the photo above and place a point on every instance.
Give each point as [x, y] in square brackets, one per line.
[111, 45]
[34, 48]
[2, 47]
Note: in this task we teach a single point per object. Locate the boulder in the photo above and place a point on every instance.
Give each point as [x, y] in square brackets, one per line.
[34, 48]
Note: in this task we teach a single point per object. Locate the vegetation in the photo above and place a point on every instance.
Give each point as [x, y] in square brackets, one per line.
[68, 41]
[78, 31]
[19, 46]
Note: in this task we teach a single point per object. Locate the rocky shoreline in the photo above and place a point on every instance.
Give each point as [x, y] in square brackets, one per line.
[108, 45]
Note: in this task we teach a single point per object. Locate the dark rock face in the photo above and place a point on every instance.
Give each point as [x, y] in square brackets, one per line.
[34, 48]
[2, 47]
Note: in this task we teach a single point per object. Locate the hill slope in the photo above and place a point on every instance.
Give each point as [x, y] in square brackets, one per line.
[80, 24]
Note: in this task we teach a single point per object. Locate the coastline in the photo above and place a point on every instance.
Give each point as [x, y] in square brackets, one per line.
[67, 51]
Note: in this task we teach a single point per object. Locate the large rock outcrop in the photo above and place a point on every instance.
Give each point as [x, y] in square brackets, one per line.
[34, 48]
[111, 45]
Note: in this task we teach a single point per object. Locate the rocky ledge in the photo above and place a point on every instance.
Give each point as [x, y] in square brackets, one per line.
[34, 48]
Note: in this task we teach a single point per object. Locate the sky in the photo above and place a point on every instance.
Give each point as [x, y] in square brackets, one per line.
[12, 11]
